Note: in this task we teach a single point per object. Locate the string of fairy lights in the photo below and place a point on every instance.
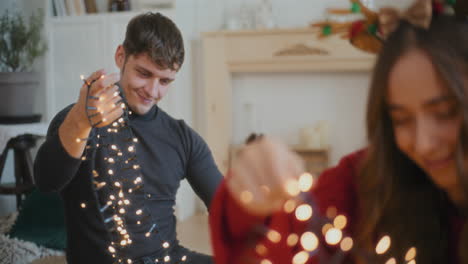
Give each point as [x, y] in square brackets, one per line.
[330, 227]
[120, 180]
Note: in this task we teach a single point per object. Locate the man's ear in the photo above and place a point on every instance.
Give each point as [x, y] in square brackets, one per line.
[120, 57]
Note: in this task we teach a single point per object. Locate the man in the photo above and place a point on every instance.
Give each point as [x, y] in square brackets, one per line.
[167, 152]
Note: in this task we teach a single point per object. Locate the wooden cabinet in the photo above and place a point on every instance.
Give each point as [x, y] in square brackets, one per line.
[315, 160]
[287, 50]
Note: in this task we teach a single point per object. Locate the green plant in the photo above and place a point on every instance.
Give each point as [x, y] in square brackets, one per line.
[20, 42]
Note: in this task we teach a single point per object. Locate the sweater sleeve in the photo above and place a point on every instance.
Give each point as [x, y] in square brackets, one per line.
[202, 173]
[232, 226]
[54, 168]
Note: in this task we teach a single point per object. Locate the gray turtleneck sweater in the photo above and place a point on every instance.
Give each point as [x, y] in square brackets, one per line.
[168, 151]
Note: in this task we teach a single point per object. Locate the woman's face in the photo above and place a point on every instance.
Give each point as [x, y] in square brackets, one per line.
[426, 118]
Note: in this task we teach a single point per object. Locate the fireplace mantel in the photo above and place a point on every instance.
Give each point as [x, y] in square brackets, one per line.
[288, 50]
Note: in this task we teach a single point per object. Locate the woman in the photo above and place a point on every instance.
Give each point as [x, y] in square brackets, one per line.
[410, 183]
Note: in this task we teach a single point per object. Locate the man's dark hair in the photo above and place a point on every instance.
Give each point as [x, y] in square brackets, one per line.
[157, 36]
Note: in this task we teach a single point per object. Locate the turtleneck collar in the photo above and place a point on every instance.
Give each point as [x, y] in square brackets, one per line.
[150, 115]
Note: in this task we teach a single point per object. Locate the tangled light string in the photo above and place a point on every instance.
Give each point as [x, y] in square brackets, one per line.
[331, 227]
[121, 187]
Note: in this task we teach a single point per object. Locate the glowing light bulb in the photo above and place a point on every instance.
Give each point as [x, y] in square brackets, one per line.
[333, 236]
[139, 212]
[346, 244]
[289, 206]
[340, 222]
[383, 245]
[391, 261]
[411, 254]
[326, 227]
[331, 212]
[111, 249]
[111, 172]
[131, 149]
[305, 182]
[83, 205]
[165, 245]
[273, 236]
[246, 197]
[303, 212]
[292, 187]
[309, 241]
[265, 261]
[261, 249]
[292, 240]
[137, 180]
[300, 258]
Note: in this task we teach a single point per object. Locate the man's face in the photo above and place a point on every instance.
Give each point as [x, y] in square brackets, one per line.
[144, 83]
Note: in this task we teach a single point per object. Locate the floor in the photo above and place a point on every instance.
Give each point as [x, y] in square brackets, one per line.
[193, 233]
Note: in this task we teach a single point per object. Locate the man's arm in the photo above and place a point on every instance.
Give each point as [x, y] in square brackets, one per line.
[58, 159]
[76, 125]
[202, 172]
[53, 166]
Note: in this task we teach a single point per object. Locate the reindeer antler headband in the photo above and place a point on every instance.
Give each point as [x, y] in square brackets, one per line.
[369, 33]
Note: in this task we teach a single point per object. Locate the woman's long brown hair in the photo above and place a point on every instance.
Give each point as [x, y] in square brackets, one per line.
[396, 197]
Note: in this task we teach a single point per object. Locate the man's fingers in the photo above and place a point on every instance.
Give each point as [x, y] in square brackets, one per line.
[94, 77]
[111, 116]
[104, 83]
[109, 94]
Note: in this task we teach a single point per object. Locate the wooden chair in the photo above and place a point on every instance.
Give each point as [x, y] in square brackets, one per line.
[24, 180]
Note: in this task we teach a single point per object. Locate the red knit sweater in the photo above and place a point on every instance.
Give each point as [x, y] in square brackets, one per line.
[231, 226]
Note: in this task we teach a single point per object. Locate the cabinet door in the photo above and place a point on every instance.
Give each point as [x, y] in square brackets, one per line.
[75, 47]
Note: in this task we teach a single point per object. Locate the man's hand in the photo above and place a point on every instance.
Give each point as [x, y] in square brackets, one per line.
[262, 176]
[103, 108]
[103, 100]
